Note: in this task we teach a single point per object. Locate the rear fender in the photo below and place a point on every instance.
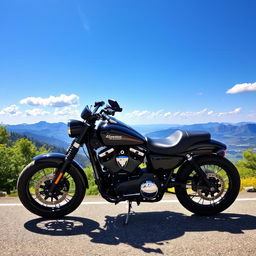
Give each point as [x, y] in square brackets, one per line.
[58, 158]
[207, 147]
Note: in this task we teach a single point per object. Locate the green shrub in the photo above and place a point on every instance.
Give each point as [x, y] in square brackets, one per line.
[93, 188]
[13, 158]
[247, 166]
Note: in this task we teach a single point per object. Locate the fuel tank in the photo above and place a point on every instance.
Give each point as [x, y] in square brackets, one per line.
[116, 133]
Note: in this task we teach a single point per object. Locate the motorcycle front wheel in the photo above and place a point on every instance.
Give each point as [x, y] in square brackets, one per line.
[224, 187]
[33, 185]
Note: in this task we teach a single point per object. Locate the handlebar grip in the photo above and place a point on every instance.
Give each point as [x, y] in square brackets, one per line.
[99, 103]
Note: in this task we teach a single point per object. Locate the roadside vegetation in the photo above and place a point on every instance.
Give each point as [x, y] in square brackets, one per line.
[16, 154]
[247, 169]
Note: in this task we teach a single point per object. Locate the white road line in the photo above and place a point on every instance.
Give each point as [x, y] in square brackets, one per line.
[10, 204]
[245, 199]
[105, 202]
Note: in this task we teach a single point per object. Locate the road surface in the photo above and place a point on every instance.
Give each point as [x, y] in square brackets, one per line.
[96, 228]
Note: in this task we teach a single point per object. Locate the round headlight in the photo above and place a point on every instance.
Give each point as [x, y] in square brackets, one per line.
[75, 128]
[69, 131]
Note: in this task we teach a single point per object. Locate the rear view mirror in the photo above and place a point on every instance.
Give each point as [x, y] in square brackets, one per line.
[114, 105]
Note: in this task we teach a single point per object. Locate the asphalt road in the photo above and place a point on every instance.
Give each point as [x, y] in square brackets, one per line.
[97, 228]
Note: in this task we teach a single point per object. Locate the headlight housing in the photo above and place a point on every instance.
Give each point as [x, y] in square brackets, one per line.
[75, 127]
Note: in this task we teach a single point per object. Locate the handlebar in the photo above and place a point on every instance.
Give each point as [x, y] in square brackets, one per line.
[104, 113]
[97, 105]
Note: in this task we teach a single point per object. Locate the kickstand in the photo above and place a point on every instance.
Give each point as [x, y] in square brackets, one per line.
[129, 212]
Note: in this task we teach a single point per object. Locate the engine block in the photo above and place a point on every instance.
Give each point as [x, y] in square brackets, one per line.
[121, 159]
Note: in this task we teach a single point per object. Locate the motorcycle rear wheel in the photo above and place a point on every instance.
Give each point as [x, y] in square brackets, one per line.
[225, 181]
[32, 187]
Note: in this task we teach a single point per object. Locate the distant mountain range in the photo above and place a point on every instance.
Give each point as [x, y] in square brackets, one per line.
[55, 134]
[238, 137]
[218, 130]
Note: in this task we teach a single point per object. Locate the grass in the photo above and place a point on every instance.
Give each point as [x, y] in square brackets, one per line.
[13, 194]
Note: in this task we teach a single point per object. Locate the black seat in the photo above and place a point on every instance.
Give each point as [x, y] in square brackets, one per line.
[177, 142]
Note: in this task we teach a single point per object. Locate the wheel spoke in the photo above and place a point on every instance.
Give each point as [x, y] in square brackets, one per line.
[192, 196]
[67, 176]
[39, 185]
[219, 169]
[218, 179]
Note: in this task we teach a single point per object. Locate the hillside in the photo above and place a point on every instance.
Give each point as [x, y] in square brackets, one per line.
[80, 158]
[54, 134]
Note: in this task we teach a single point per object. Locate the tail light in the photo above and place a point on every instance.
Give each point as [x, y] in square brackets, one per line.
[221, 153]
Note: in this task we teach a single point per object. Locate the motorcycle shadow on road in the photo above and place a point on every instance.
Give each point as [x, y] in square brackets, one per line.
[149, 227]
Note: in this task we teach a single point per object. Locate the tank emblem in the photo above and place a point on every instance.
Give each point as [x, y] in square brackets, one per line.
[121, 138]
[114, 137]
[122, 161]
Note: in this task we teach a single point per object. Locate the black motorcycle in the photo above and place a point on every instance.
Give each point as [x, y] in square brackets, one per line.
[129, 166]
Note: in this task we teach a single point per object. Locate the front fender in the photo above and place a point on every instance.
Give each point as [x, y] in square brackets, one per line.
[59, 159]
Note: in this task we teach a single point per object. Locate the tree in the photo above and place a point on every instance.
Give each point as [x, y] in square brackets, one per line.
[25, 149]
[13, 158]
[247, 166]
[4, 135]
[9, 168]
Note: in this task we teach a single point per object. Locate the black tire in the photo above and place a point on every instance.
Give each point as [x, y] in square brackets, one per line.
[224, 202]
[43, 210]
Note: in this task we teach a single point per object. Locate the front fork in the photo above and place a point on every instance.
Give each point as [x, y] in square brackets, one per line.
[70, 155]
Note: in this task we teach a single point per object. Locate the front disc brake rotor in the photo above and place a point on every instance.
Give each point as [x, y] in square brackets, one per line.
[42, 196]
[216, 189]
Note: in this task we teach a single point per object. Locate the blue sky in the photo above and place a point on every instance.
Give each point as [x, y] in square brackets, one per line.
[164, 61]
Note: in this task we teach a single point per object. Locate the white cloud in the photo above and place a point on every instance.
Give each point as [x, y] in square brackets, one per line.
[155, 114]
[36, 112]
[190, 114]
[167, 114]
[147, 114]
[11, 110]
[245, 87]
[66, 111]
[233, 112]
[236, 111]
[52, 101]
[161, 116]
[138, 113]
